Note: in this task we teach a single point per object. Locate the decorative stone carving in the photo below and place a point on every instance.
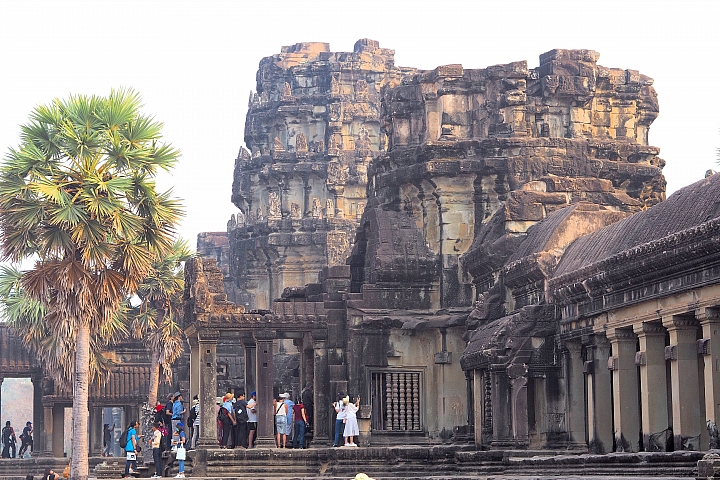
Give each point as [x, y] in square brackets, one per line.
[274, 212]
[231, 224]
[334, 85]
[286, 92]
[337, 246]
[329, 208]
[301, 146]
[295, 212]
[361, 91]
[337, 173]
[316, 208]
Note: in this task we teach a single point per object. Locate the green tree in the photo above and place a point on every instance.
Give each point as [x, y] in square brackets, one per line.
[78, 195]
[155, 320]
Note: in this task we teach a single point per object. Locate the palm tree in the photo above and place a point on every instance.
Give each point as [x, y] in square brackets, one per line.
[78, 196]
[155, 319]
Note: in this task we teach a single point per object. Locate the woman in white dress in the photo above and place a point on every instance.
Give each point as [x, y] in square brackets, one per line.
[351, 424]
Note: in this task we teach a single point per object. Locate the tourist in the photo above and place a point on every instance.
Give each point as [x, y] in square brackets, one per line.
[107, 439]
[241, 419]
[131, 449]
[9, 441]
[307, 397]
[178, 410]
[218, 423]
[194, 423]
[180, 451]
[157, 449]
[300, 423]
[289, 404]
[351, 424]
[280, 422]
[50, 474]
[339, 407]
[227, 417]
[252, 419]
[27, 439]
[159, 415]
[168, 419]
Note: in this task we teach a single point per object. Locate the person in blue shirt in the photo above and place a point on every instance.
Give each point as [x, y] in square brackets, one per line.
[177, 410]
[180, 455]
[290, 404]
[131, 449]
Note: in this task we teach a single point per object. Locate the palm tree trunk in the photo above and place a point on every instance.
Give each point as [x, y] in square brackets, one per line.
[154, 377]
[81, 386]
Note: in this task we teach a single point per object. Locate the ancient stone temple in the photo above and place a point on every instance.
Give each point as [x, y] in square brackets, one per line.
[482, 255]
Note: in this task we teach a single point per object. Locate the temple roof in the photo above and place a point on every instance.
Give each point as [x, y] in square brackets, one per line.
[686, 208]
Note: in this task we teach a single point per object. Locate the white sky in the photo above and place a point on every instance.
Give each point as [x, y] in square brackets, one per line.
[194, 63]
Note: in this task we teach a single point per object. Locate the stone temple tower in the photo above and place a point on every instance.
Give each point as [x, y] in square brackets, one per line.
[312, 128]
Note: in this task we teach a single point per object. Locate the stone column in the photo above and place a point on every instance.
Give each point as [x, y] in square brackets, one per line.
[653, 383]
[684, 377]
[501, 409]
[710, 348]
[38, 415]
[479, 405]
[58, 431]
[207, 343]
[96, 430]
[576, 394]
[321, 389]
[47, 433]
[600, 427]
[265, 376]
[194, 367]
[626, 409]
[250, 353]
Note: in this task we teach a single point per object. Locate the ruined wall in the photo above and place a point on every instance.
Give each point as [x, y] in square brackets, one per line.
[312, 128]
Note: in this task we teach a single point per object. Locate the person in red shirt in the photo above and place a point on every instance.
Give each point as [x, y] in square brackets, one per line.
[300, 420]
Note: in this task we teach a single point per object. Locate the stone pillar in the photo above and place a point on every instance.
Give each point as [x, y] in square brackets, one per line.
[47, 433]
[479, 405]
[265, 376]
[501, 409]
[626, 408]
[653, 383]
[576, 394]
[321, 389]
[600, 409]
[250, 353]
[517, 373]
[207, 343]
[194, 367]
[685, 383]
[58, 430]
[96, 430]
[38, 415]
[710, 348]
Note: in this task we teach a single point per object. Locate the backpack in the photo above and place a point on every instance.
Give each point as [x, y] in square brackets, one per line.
[222, 413]
[193, 415]
[241, 414]
[123, 439]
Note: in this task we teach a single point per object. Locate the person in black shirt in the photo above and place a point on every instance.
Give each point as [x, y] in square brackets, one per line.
[26, 439]
[107, 439]
[241, 418]
[9, 440]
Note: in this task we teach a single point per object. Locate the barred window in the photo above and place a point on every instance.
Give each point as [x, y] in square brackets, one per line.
[396, 401]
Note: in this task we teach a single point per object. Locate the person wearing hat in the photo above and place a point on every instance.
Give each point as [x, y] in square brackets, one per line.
[227, 417]
[289, 424]
[178, 411]
[26, 439]
[252, 418]
[179, 445]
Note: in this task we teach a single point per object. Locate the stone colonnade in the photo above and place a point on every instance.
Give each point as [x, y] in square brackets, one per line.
[258, 357]
[649, 386]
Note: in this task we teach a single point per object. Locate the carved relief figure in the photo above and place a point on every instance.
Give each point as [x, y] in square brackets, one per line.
[329, 208]
[316, 208]
[231, 224]
[361, 90]
[301, 143]
[335, 110]
[274, 207]
[295, 211]
[240, 218]
[335, 85]
[338, 247]
[336, 173]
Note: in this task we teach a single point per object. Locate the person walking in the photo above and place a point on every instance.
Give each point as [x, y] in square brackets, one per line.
[26, 437]
[339, 407]
[252, 418]
[131, 449]
[300, 423]
[157, 450]
[107, 439]
[351, 424]
[280, 422]
[241, 419]
[9, 441]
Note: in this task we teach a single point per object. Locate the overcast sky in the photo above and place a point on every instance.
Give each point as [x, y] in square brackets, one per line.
[194, 63]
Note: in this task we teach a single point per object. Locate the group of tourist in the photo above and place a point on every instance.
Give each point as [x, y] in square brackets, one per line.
[346, 424]
[9, 440]
[237, 420]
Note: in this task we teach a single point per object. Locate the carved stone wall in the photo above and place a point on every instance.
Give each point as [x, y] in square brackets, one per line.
[312, 128]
